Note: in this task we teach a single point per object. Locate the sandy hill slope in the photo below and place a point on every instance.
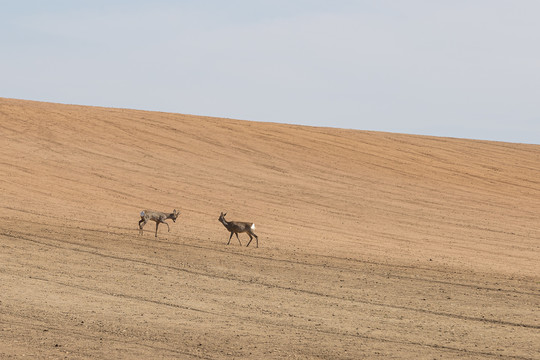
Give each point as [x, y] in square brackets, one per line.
[370, 244]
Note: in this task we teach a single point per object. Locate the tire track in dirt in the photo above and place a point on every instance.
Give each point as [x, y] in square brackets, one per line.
[326, 265]
[274, 286]
[277, 324]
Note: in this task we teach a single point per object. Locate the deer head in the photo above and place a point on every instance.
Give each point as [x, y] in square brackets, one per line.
[174, 215]
[222, 217]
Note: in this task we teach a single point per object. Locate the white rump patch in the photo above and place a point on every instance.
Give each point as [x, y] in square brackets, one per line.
[252, 226]
[142, 213]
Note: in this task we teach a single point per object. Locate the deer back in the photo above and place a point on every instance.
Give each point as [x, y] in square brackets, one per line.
[239, 226]
[154, 215]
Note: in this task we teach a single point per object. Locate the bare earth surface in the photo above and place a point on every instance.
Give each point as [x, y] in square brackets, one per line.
[371, 245]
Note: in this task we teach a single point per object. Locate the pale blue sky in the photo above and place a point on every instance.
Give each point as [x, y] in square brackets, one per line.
[458, 68]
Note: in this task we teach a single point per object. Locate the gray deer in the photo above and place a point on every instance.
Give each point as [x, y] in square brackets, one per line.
[158, 217]
[236, 227]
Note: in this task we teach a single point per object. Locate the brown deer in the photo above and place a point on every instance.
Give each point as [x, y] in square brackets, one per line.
[158, 217]
[236, 227]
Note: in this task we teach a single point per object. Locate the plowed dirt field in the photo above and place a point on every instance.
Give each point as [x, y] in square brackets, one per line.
[371, 245]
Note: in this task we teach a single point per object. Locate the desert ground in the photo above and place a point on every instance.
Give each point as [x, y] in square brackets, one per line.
[371, 245]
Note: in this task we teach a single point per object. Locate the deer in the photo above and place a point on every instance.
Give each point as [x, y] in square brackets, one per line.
[236, 227]
[158, 217]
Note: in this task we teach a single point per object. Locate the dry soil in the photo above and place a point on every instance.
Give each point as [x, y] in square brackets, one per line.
[371, 245]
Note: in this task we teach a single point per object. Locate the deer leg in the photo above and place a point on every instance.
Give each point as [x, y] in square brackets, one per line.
[142, 222]
[238, 238]
[157, 224]
[251, 238]
[230, 237]
[168, 228]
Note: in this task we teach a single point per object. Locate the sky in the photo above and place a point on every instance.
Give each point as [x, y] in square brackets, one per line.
[454, 68]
